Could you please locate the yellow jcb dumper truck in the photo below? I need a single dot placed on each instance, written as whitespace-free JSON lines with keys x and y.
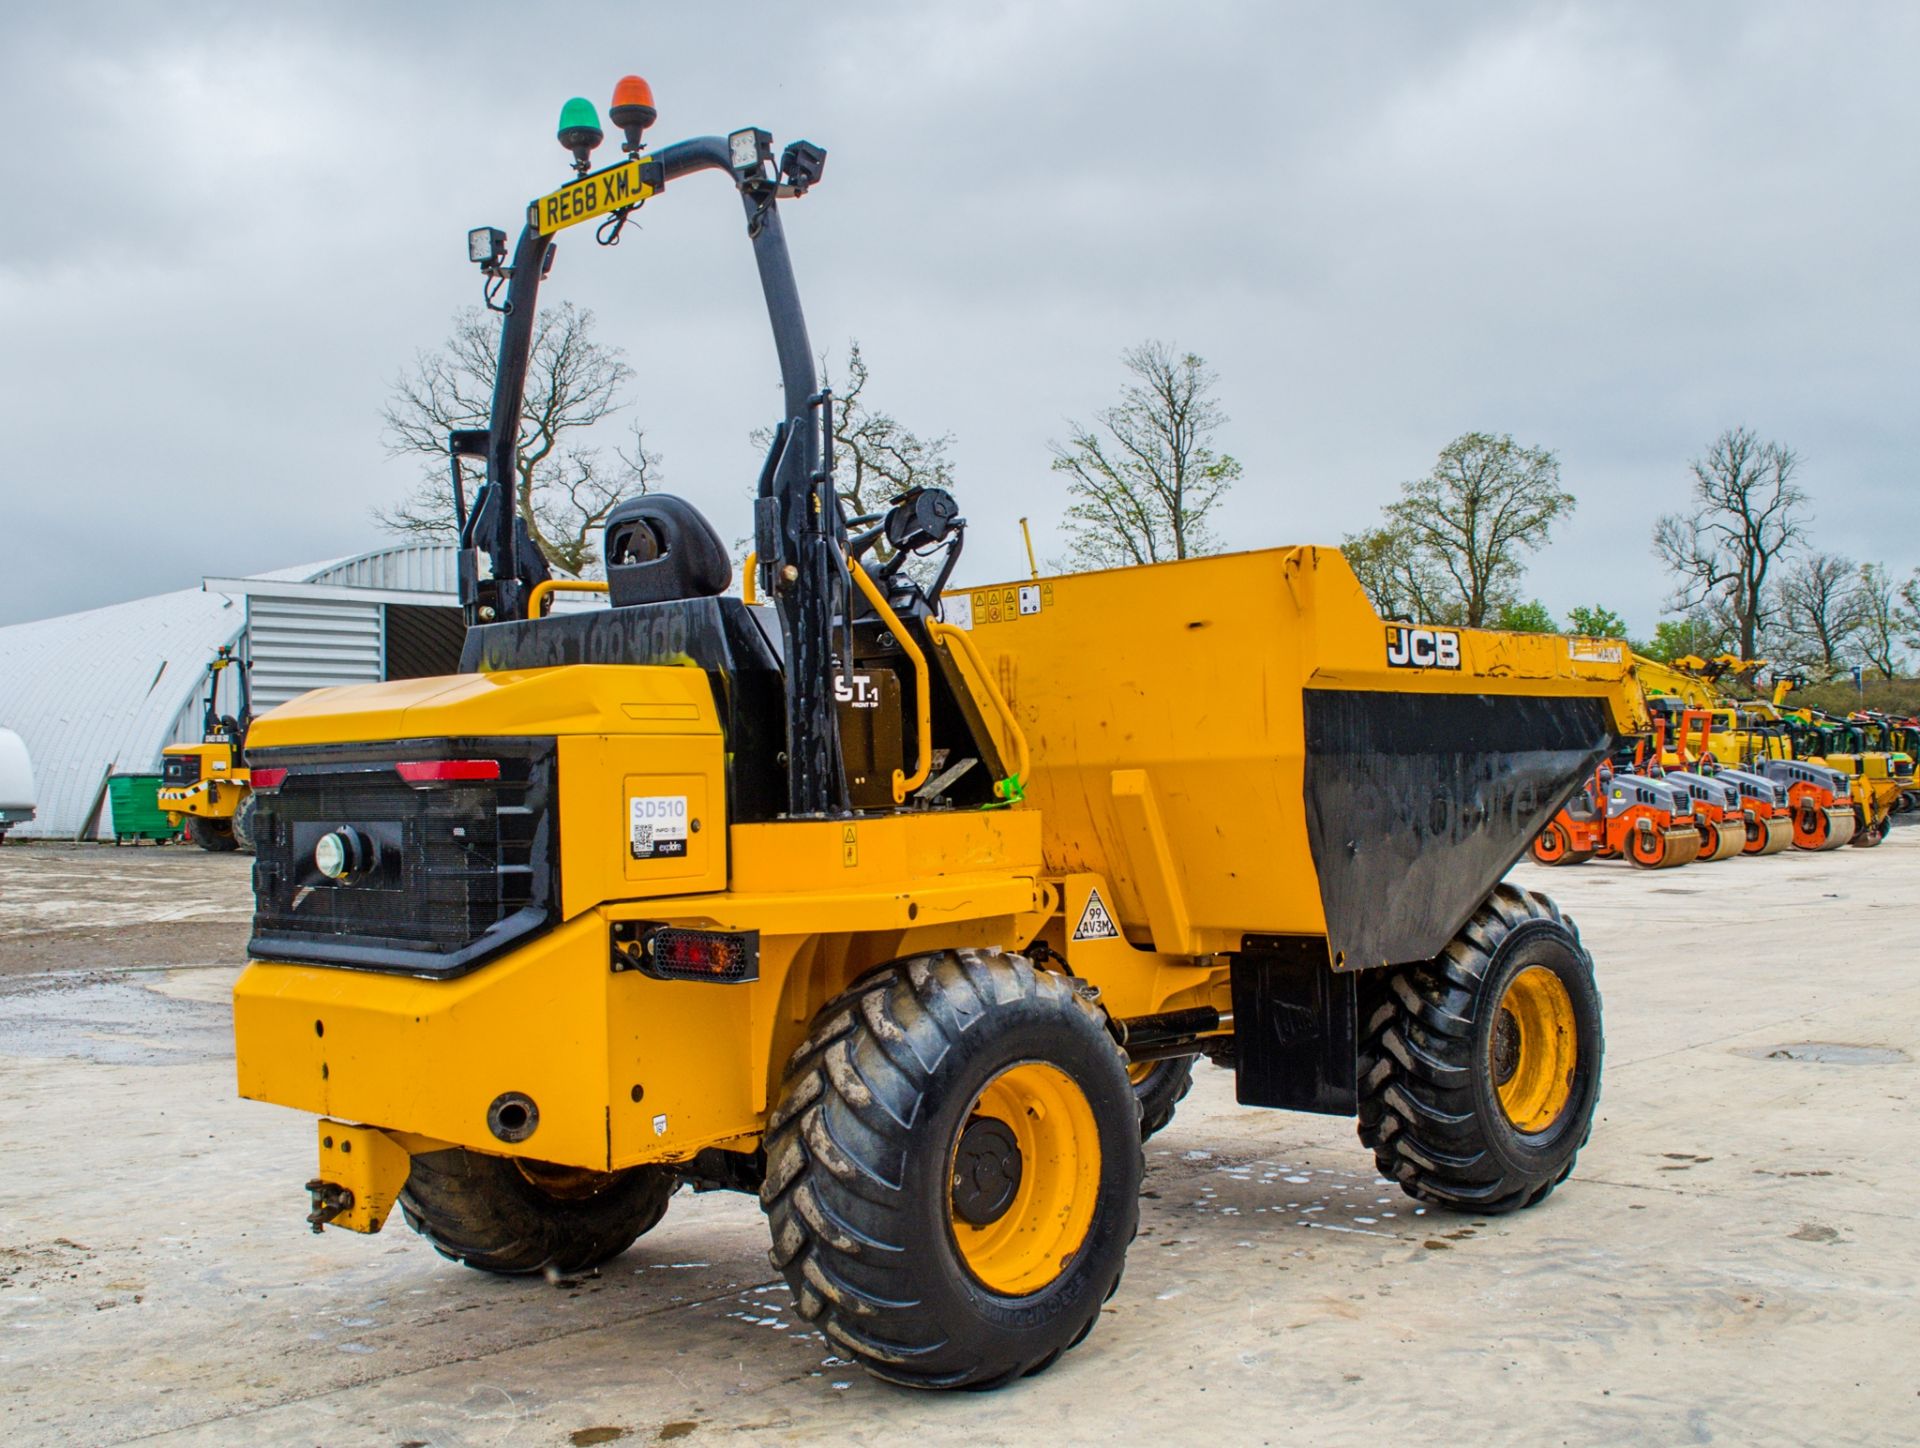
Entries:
{"x":205,"y":785}
{"x":866,"y":898}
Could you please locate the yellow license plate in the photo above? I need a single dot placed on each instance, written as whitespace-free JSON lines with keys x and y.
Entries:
{"x":627,"y":184}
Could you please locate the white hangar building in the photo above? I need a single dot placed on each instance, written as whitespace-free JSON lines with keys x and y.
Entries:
{"x":99,"y":693}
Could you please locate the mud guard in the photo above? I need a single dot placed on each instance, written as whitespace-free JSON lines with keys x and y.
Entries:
{"x":1417,"y":805}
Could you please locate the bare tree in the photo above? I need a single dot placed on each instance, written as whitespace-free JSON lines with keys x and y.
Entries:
{"x":1820,"y":614}
{"x":1143,"y":481}
{"x":1486,"y":504}
{"x":564,"y":488}
{"x":876,"y":457}
{"x":1747,"y":512}
{"x":1396,"y":575}
{"x":1882,"y":617}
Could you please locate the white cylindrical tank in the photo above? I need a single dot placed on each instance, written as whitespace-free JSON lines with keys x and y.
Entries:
{"x":16,"y":782}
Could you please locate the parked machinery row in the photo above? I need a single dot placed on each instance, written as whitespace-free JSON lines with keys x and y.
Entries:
{"x":1718,"y":777}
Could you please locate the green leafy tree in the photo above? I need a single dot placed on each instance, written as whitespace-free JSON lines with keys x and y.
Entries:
{"x":1395,"y":574}
{"x":1529,"y":617}
{"x":1597,"y":622}
{"x":1145,"y":477}
{"x":1469,"y":524}
{"x":1675,"y":638}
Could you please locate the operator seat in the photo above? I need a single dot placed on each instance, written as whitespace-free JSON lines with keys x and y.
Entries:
{"x":660,"y":549}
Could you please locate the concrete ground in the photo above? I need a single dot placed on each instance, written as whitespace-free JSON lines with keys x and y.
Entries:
{"x":1735,"y":1258}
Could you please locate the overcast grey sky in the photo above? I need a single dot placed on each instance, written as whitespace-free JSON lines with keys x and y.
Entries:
{"x":1609,"y":229}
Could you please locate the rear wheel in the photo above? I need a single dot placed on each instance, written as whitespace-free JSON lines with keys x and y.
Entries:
{"x":953,"y":1171}
{"x":1870,"y":835}
{"x":1160,"y":1087}
{"x":503,"y":1214}
{"x":1481,"y":1071}
{"x":243,"y":823}
{"x":1553,"y":845}
{"x":214,"y":836}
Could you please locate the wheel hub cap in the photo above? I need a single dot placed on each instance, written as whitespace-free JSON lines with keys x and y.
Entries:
{"x":1533,"y":1050}
{"x":986,"y":1171}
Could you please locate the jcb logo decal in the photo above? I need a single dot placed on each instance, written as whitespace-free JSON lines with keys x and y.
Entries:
{"x":1422,"y":648}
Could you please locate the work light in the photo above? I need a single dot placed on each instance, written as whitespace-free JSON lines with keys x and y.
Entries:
{"x":486,"y":246}
{"x":749,"y":151}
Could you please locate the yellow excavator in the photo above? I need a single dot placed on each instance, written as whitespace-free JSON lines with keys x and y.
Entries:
{"x":867,"y":894}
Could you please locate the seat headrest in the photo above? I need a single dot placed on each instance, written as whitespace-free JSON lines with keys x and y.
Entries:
{"x":659,"y":548}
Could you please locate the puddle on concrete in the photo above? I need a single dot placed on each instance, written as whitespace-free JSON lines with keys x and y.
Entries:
{"x":1831,"y":1053}
{"x":116,"y":1022}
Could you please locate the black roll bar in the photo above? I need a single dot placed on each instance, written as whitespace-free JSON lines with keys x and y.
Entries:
{"x":800,"y":533}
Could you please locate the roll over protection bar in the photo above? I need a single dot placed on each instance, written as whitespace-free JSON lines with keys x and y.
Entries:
{"x":800,"y":532}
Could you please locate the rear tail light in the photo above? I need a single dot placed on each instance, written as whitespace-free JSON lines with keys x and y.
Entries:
{"x":267,"y":779}
{"x":447,"y":771}
{"x":722,"y":957}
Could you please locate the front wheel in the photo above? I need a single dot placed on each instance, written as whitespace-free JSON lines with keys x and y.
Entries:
{"x":1481,"y":1070}
{"x":213,"y":836}
{"x":503,"y":1214}
{"x":953,"y":1171}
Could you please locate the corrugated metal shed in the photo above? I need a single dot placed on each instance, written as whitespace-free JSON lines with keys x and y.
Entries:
{"x":102,"y":692}
{"x":99,"y":693}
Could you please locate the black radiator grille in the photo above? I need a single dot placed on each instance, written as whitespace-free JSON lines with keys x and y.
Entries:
{"x":460,"y":868}
{"x":177,"y":771}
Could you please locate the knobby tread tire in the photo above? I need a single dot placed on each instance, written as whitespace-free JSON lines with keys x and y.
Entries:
{"x":859,"y":1160}
{"x":213,"y":836}
{"x":1161,"y":1092}
{"x":1427,"y":1104}
{"x":483,"y":1212}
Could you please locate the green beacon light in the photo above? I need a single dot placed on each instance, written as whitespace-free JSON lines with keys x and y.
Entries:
{"x":580,"y":130}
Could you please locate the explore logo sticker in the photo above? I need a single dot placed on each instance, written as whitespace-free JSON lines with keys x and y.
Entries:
{"x":1096,"y":923}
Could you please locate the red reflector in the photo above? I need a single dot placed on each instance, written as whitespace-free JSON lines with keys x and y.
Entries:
{"x":446,"y":771}
{"x":267,"y":778}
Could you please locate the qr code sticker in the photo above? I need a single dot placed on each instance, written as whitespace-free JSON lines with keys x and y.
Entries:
{"x":643,"y":837}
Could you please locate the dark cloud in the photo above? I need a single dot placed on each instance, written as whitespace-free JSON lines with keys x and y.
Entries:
{"x":1610,"y":229}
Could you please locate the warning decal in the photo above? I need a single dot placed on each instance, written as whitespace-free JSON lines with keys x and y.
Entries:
{"x":658,"y":826}
{"x":1095,"y":922}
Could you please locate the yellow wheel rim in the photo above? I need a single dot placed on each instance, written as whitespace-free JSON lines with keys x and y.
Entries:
{"x":1140,"y":1070}
{"x":1534,"y":1049}
{"x":1028,"y":1241}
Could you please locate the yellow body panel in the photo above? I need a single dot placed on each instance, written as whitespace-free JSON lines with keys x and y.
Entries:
{"x":222,"y":785}
{"x":1163,"y":707}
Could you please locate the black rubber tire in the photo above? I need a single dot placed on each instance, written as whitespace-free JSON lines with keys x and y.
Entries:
{"x":1161,"y":1091}
{"x":243,"y":824}
{"x":1428,"y":1107}
{"x":1872,"y":835}
{"x":484,"y":1211}
{"x":860,"y":1150}
{"x":213,"y":836}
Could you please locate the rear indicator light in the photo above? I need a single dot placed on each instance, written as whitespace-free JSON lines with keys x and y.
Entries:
{"x":267,"y":779}
{"x":447,"y":771}
{"x":722,"y":957}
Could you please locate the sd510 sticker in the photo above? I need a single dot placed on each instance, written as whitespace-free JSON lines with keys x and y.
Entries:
{"x":658,"y":825}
